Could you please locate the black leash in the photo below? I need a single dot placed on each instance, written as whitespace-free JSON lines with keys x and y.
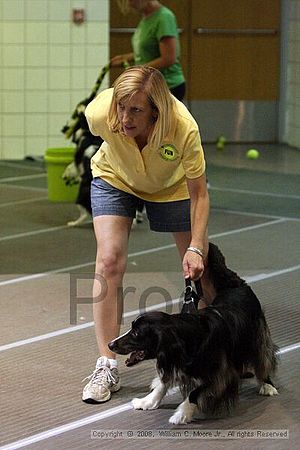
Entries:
{"x":191,"y":296}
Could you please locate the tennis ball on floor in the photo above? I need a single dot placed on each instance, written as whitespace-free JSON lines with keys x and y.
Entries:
{"x":221,"y":141}
{"x":252,"y":153}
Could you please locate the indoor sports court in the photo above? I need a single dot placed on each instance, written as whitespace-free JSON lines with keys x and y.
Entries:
{"x":46,"y":276}
{"x":241,"y":64}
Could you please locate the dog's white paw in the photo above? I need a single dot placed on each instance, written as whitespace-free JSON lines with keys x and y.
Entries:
{"x":268,"y":389}
{"x":144,"y":403}
{"x":179,"y":418}
{"x":183,"y":414}
{"x":152,"y":400}
{"x":137,"y":403}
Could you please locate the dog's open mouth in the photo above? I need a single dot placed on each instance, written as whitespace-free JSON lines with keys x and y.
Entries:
{"x":135,"y":357}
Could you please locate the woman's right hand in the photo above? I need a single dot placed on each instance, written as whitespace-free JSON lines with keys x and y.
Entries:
{"x":119,"y":60}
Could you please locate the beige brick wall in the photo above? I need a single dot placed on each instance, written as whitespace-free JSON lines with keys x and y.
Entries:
{"x":47,"y":65}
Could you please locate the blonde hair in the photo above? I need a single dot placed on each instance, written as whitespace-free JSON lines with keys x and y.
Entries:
{"x":152,"y":83}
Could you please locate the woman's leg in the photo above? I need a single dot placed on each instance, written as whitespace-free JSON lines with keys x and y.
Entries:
{"x":112,"y":233}
{"x":112,"y":242}
{"x":182,"y":240}
{"x":113,"y":212}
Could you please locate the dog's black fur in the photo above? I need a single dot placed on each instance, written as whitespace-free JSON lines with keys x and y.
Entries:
{"x":205,"y":353}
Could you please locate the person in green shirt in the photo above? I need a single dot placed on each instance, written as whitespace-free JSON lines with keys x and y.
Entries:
{"x":155,"y":43}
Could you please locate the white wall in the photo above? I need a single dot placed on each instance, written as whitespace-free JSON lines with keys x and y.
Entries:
{"x":47,"y":65}
{"x":291,"y":133}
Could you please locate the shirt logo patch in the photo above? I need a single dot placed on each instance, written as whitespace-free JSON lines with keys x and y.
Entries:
{"x":168,"y":152}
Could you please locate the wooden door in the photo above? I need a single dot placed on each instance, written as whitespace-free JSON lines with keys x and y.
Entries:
{"x":235,"y":51}
{"x":234,"y":70}
{"x":231,"y":60}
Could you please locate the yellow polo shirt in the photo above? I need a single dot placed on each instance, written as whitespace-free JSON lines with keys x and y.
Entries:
{"x":153,"y":174}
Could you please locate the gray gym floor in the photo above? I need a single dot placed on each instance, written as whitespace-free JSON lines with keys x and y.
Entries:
{"x":46,"y":274}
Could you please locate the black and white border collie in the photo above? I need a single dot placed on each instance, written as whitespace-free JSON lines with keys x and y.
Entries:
{"x":204,"y":353}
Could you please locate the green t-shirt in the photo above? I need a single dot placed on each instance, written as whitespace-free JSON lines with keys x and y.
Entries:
{"x":145,"y":43}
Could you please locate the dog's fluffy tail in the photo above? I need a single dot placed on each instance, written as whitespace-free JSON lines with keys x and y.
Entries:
{"x":222,"y":277}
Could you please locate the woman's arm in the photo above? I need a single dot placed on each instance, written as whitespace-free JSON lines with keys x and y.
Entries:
{"x":119,"y":60}
{"x":193,"y":263}
{"x":167,"y":48}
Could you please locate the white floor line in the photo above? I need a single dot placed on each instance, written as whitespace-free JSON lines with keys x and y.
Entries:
{"x":23,"y":177}
{"x":61,"y":227}
{"x":265,"y":276}
{"x":82,"y":326}
{"x":77,"y":266}
{"x":32,"y":233}
{"x":142,"y":252}
{"x":254,"y":193}
{"x":252,"y":214}
{"x":67,"y":427}
{"x":21,"y":166}
{"x":134,"y":313}
{"x":289,"y":348}
{"x":24,"y":188}
{"x":22,"y":202}
{"x":249,"y":228}
{"x":93,"y":418}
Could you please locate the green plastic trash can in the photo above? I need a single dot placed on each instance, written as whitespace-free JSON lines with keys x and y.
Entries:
{"x":57,"y":159}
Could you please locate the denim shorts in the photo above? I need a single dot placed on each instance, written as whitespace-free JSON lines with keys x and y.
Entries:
{"x":163,"y":216}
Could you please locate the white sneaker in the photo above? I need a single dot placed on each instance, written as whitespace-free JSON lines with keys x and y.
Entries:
{"x":103,"y":381}
{"x":139,"y":218}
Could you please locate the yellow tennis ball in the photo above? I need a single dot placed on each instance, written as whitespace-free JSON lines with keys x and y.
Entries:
{"x":221,"y":141}
{"x":252,"y":153}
